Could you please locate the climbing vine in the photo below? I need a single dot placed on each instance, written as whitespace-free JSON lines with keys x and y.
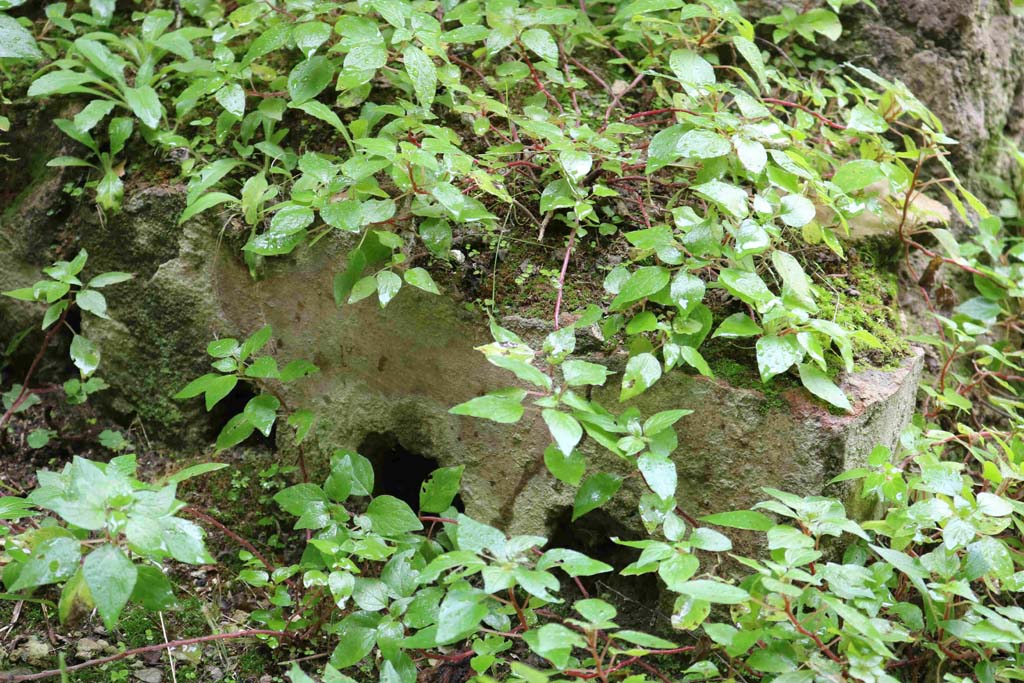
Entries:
{"x":723,"y":159}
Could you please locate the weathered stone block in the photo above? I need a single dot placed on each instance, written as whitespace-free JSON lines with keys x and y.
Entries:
{"x":389,"y":376}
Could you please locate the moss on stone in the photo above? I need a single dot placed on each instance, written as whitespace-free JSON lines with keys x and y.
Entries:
{"x":866,"y":301}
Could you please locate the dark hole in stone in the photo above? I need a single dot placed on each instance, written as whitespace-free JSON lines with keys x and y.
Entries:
{"x":398,"y":471}
{"x":637,"y":598}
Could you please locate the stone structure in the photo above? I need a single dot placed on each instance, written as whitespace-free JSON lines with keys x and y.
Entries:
{"x":388,"y":378}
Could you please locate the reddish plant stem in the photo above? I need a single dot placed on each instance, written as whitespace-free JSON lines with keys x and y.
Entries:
{"x":590,"y":72}
{"x":615,"y":101}
{"x":561,"y":276}
{"x":519,"y":610}
{"x":32,"y":368}
{"x":796,"y":105}
{"x":523,"y":162}
{"x":643,"y":209}
{"x":10,"y":678}
{"x":945,"y":368}
{"x":651,"y":669}
{"x":825,"y":649}
{"x":230,"y":534}
{"x":265,"y":95}
{"x":429,"y":518}
{"x":626,"y":662}
{"x":928,"y":252}
{"x":536,"y":79}
{"x":909,"y":197}
{"x":655,"y":112}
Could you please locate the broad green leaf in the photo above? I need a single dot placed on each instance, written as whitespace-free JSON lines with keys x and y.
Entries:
{"x":422,"y":73}
{"x":677,"y":570}
{"x":659,"y":473}
{"x":217,"y":388}
{"x":297,"y":369}
{"x":16,"y":42}
{"x":695,"y":360}
{"x":580,"y":373}
{"x":741,"y":519}
{"x":420,"y":278}
{"x":392,"y":517}
{"x":751,"y":154}
{"x":702,"y":144}
{"x":714,"y":592}
{"x":310,"y":35}
{"x":737,"y":325}
{"x":197,"y":386}
{"x":663,"y":420}
{"x":460,"y":614}
{"x":438,"y":492}
{"x":261,"y":412}
{"x":745,"y":286}
{"x":60,"y":82}
{"x":729,"y":197}
{"x":195,"y":471}
{"x":567,"y":468}
{"x":93,"y":302}
{"x":92,"y":114}
{"x":572,"y":562}
{"x":797,"y":210}
{"x":642,"y":371}
{"x":255,"y":342}
{"x":819,"y":384}
{"x":309,"y":78}
{"x":856,"y":175}
{"x":111,"y":579}
{"x":74,"y":592}
{"x":205,"y":202}
{"x":575,"y":164}
{"x":504,"y":407}
{"x":595,"y":491}
{"x":319,"y":110}
{"x":564,"y":428}
{"x":298,"y":499}
{"x":272,"y":39}
{"x":388,"y":284}
{"x":145,"y":104}
{"x":692,"y":70}
{"x":357,"y":635}
{"x":51,"y":561}
{"x":152,"y":589}
{"x":237,"y":430}
{"x":107,"y":279}
{"x":184,"y":541}
{"x":232,"y":98}
{"x":554,"y":642}
{"x":642,"y":283}
{"x":541,"y":43}
{"x":775,"y":355}
{"x":866,"y":120}
{"x":752,"y":54}
{"x":222,"y":348}
{"x":84,"y":355}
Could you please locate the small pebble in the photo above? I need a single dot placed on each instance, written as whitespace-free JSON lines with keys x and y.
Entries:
{"x":149,"y":675}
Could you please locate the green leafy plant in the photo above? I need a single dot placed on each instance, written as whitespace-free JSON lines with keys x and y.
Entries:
{"x":239,"y":362}
{"x":116,"y":532}
{"x":62,"y":292}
